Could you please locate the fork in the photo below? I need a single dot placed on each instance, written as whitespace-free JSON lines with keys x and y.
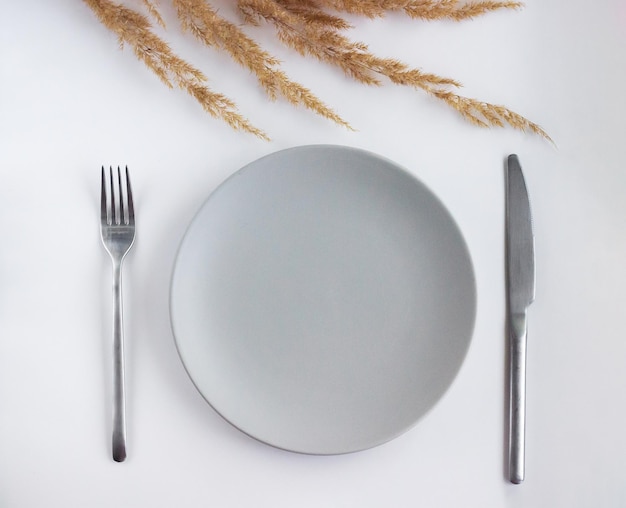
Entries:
{"x":117,"y":228}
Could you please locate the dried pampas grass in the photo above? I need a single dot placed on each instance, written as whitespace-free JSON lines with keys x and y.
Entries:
{"x":313,"y":28}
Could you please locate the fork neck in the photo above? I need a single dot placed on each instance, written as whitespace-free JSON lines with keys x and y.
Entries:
{"x":116,"y":264}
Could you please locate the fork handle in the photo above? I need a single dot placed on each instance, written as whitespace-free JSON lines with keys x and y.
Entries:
{"x":119,"y":396}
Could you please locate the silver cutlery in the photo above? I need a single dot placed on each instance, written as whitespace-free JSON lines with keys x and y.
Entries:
{"x":520,"y":257}
{"x":117,"y":227}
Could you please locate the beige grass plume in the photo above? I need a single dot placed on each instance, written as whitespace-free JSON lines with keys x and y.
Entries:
{"x":297,"y":26}
{"x":424,"y":9}
{"x":134,"y":29}
{"x":301,"y":29}
{"x":313,"y":28}
{"x":205,"y":24}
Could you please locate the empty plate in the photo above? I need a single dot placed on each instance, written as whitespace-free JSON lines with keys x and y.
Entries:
{"x":322,"y":300}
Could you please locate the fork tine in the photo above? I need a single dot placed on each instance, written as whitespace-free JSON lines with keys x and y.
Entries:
{"x":129,"y":194}
{"x":112,"y":197}
{"x":121,"y":196}
{"x":103,"y":200}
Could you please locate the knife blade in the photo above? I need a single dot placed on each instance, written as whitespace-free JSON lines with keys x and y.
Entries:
{"x":520,"y":268}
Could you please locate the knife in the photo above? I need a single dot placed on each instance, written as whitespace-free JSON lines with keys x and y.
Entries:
{"x":520,"y":269}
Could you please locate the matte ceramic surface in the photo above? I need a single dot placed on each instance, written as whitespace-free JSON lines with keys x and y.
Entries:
{"x":323,"y":300}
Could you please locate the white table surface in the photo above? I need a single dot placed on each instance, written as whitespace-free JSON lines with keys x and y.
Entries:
{"x":71,"y":101}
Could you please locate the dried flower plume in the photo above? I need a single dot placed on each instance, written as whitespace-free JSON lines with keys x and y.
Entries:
{"x":203,"y":22}
{"x":313,"y":28}
{"x":134,"y":29}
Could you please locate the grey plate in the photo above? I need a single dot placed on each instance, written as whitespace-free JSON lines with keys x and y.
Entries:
{"x":323,"y":300}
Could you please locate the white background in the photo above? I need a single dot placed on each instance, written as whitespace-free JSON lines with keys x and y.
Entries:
{"x":71,"y":101}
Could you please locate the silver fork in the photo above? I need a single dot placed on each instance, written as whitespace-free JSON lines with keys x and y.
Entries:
{"x":117,"y":227}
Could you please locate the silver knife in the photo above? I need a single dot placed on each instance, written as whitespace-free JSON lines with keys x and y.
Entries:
{"x":520,"y":267}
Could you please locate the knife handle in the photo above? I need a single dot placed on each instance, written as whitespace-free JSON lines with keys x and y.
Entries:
{"x":517,"y":398}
